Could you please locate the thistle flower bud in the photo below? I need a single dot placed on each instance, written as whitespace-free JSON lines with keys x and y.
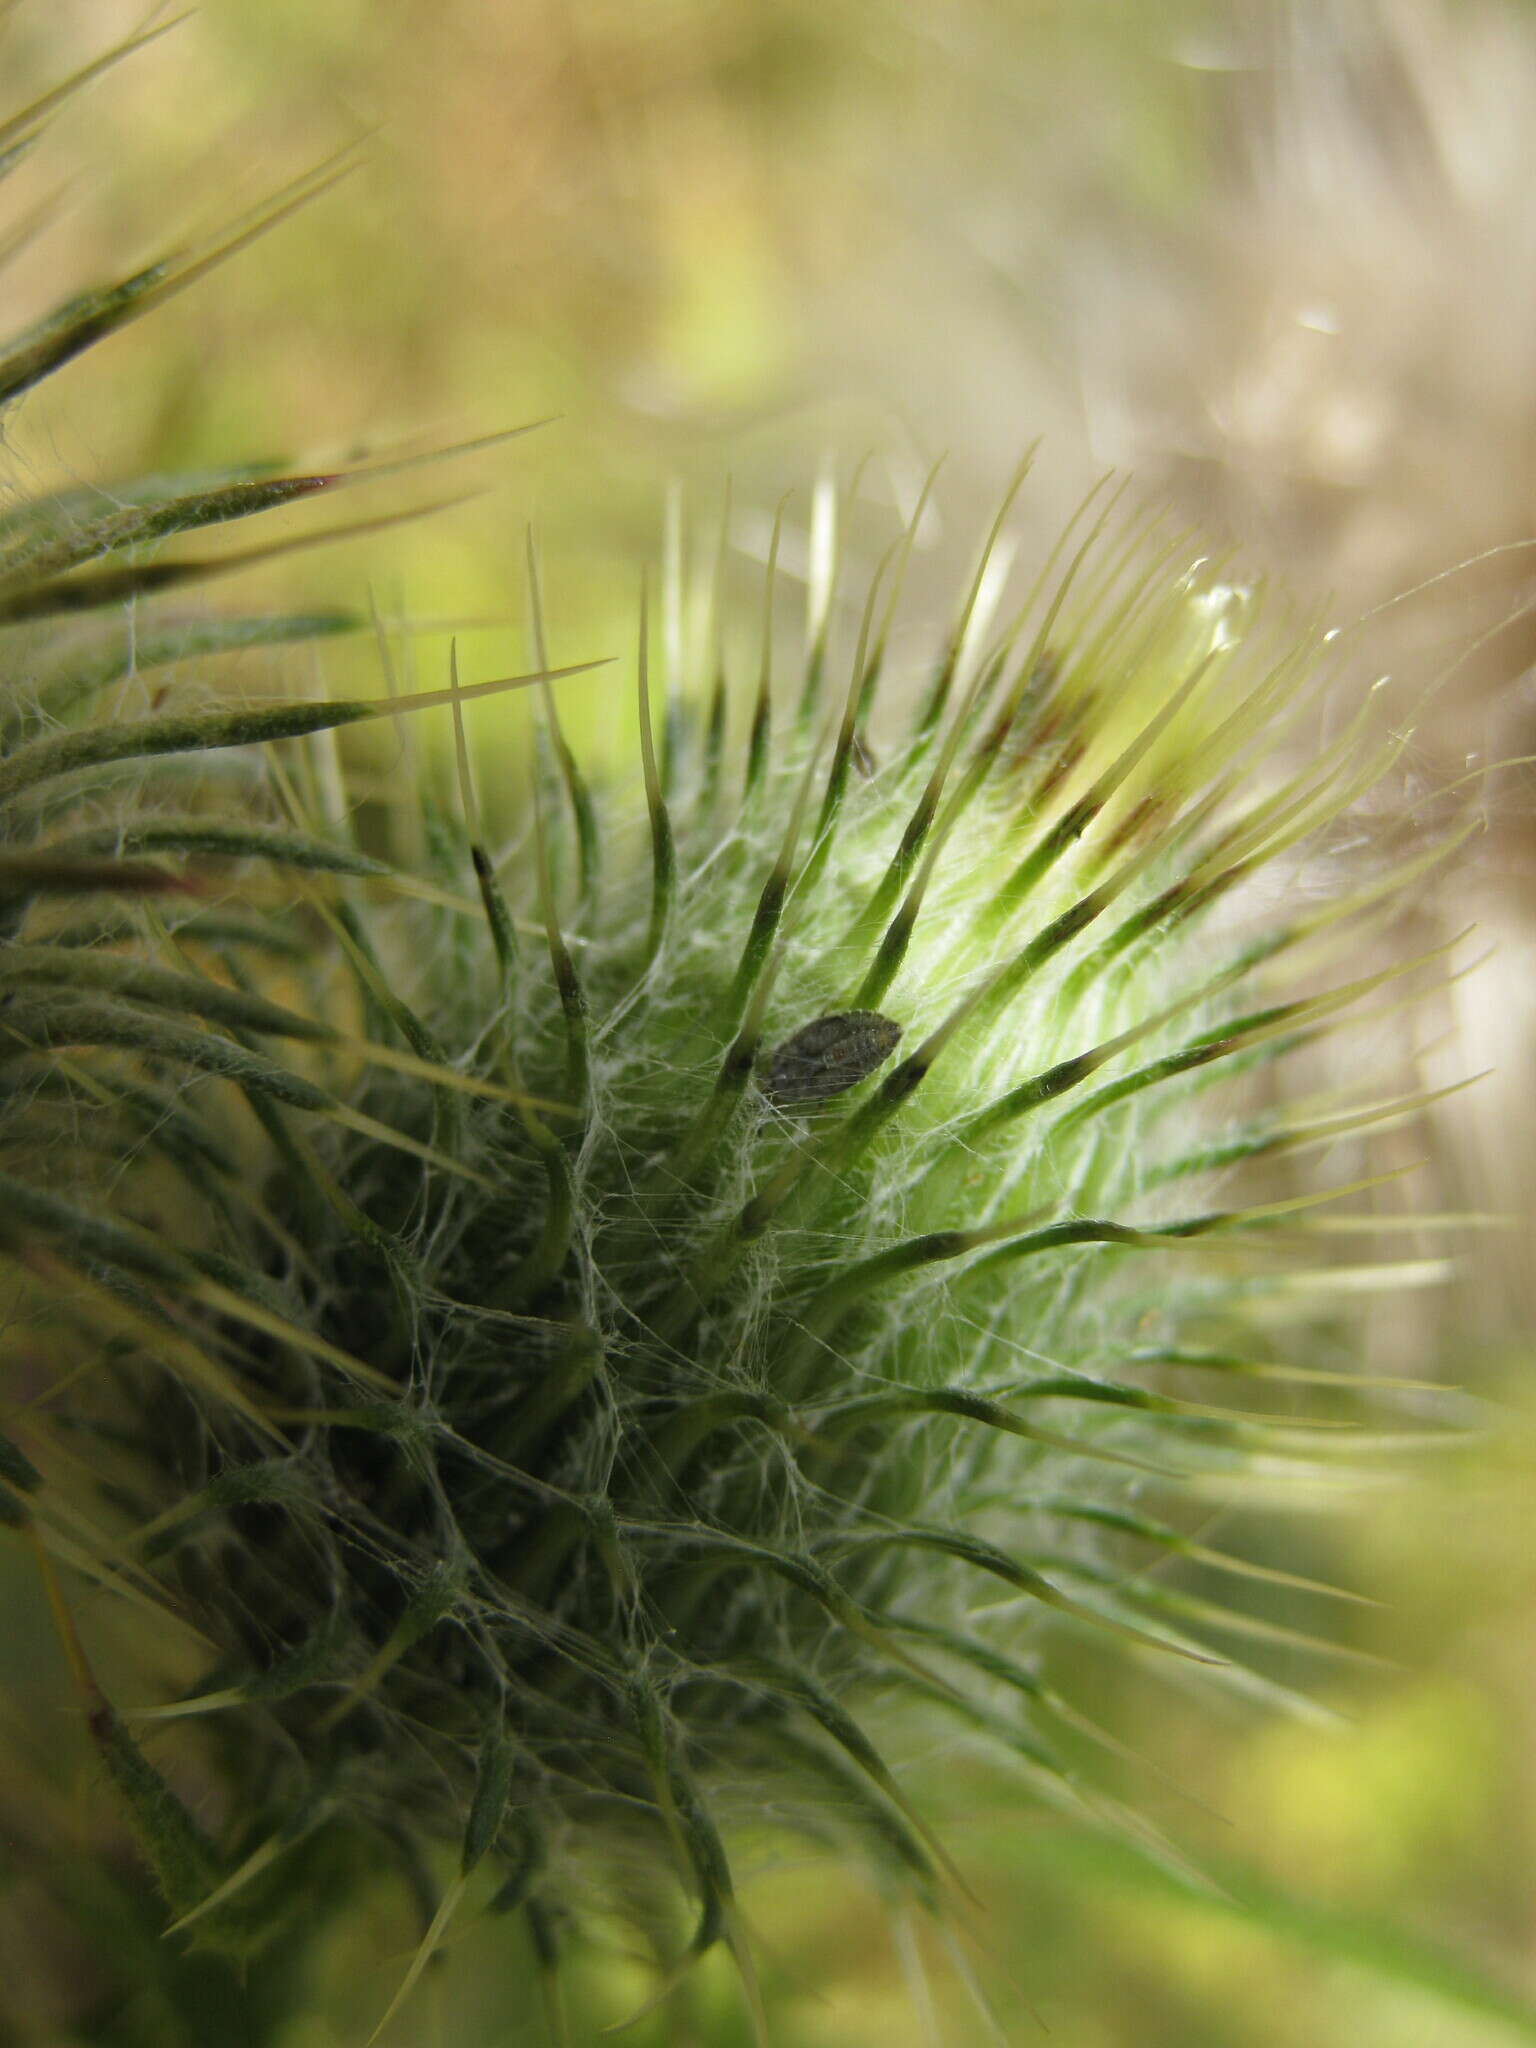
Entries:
{"x":568,"y":1333}
{"x":603,"y":1324}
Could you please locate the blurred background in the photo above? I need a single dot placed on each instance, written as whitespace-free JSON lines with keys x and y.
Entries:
{"x":1277,"y":259}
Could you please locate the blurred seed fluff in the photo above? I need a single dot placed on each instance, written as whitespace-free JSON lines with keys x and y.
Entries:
{"x":1331,"y":353}
{"x":1303,"y":364}
{"x":565,"y":1410}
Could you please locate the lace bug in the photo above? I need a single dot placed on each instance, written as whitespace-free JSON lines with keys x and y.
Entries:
{"x":828,"y":1056}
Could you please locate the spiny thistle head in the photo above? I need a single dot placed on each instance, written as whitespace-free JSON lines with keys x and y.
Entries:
{"x":588,"y":1325}
{"x":566,"y":1330}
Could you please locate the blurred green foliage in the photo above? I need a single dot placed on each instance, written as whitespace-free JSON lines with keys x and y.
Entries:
{"x":709,"y":236}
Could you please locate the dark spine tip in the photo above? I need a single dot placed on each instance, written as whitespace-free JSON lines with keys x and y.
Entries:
{"x":739,"y":1062}
{"x":907,"y":1078}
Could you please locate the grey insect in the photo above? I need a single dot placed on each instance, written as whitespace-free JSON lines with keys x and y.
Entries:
{"x":828,"y":1056}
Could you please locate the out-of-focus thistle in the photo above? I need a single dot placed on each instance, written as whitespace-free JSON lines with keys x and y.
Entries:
{"x":583,"y":1329}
